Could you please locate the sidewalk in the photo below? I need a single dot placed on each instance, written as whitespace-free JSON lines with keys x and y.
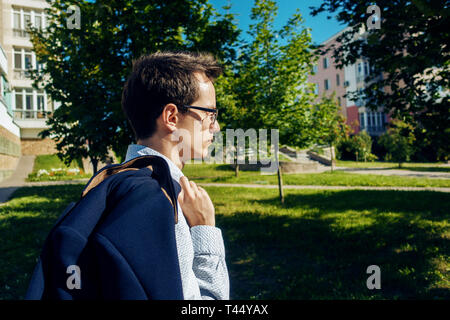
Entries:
{"x":324,"y":187}
{"x":397,"y":172}
{"x":17,"y":179}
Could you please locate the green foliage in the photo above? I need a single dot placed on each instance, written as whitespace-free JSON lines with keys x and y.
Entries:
{"x":268,"y":86}
{"x":398,"y":141}
{"x":85,"y":69}
{"x":330,"y":125}
{"x":411,"y":49}
{"x":357,"y":147}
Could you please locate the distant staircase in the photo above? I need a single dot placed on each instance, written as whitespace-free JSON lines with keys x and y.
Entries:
{"x":303,"y":160}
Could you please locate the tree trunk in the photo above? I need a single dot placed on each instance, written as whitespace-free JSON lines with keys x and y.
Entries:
{"x":332,"y":157}
{"x":280,"y":178}
{"x":94,"y":162}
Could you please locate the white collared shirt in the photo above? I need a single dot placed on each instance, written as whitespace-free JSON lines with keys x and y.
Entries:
{"x":201,"y":252}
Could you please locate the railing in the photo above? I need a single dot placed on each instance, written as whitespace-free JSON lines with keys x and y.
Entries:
{"x":374,"y":129}
{"x":30,"y":114}
{"x":20,"y":33}
{"x":20,"y":74}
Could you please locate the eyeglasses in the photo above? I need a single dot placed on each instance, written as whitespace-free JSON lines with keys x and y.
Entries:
{"x":215,"y":112}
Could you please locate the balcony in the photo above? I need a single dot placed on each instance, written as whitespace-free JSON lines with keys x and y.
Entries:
{"x":20,"y":33}
{"x":374,"y":130}
{"x":31,"y":122}
{"x":31,"y":114}
{"x":20,"y":74}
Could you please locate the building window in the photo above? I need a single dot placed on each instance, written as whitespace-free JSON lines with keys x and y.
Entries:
{"x":361,"y":120}
{"x":366,"y":68}
{"x":359,"y":73}
{"x":325,"y":63}
{"x":40,"y":100}
{"x":338,"y":80}
{"x":360,"y":68}
{"x":316,"y":88}
{"x":22,"y":19}
{"x":16,"y":20}
{"x":339,"y":101}
{"x":17,"y":59}
{"x":29,"y":103}
{"x":27,"y":19}
{"x":29,"y":99}
{"x":19,"y":100}
{"x":38,"y":20}
{"x":314,"y":69}
{"x":326,"y":84}
{"x":24,"y":59}
{"x":28,"y":59}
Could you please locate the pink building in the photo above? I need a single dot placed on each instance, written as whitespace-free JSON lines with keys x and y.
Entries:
{"x":329,"y":79}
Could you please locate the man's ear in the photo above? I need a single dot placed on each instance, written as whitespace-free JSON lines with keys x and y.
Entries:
{"x":170,"y":117}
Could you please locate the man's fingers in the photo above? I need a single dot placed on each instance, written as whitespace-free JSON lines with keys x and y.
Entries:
{"x":186,"y":186}
{"x":194,"y":187}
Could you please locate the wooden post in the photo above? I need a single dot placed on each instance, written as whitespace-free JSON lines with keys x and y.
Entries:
{"x":280,"y":178}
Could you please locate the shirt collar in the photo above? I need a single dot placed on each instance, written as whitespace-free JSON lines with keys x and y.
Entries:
{"x":137,"y":150}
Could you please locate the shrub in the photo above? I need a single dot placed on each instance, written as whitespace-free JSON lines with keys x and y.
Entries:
{"x":357,"y":147}
{"x":398,"y":141}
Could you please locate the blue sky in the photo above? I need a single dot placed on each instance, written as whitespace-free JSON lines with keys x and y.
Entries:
{"x":322,"y":28}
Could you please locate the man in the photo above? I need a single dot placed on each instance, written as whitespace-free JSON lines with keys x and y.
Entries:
{"x":169,"y":100}
{"x":128,"y":237}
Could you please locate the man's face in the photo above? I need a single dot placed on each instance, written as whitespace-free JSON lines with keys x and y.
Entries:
{"x":196,"y":126}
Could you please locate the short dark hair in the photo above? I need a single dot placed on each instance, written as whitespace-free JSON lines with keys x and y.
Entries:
{"x":161,"y":78}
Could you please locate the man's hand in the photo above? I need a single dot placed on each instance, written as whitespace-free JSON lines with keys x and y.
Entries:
{"x":196,"y":205}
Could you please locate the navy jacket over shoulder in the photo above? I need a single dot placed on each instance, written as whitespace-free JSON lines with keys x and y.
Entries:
{"x":120,"y":235}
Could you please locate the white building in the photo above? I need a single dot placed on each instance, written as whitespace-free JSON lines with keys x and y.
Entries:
{"x":29,"y":107}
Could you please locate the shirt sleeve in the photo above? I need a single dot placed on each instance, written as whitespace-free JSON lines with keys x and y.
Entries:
{"x":209,"y":264}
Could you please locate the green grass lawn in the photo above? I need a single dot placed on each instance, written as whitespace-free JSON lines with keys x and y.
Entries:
{"x":225,"y":174}
{"x":51,"y":161}
{"x":317,"y":245}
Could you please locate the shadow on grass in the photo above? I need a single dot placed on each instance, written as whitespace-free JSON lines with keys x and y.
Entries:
{"x":24,"y":225}
{"x":429,"y":169}
{"x":418,"y":169}
{"x":320,"y":249}
{"x":324,"y":254}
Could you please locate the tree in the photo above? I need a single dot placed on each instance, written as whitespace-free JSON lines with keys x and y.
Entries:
{"x":362,"y":144}
{"x":85,"y":69}
{"x":398,"y":141}
{"x":411,"y":52}
{"x":269,"y":86}
{"x":330,"y":124}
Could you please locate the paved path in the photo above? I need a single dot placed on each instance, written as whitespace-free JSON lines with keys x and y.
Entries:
{"x":17,"y":179}
{"x":324,"y":187}
{"x":25,"y":167}
{"x":397,"y":172}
